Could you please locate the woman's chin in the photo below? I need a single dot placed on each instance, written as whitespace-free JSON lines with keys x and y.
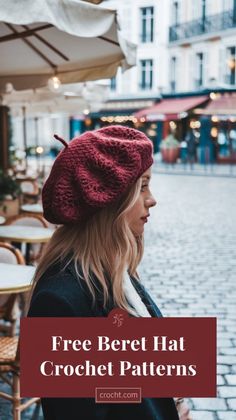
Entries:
{"x":138,"y":231}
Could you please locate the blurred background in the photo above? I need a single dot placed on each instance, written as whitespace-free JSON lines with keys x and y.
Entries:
{"x":180,"y":89}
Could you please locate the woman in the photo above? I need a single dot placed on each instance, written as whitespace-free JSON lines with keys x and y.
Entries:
{"x":98,"y":191}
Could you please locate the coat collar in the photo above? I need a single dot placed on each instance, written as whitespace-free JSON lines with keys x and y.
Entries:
{"x":98,"y":304}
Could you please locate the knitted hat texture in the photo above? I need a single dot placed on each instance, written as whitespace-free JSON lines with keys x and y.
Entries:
{"x":93,"y":171}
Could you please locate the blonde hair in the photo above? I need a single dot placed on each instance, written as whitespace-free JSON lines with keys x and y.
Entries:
{"x":105,"y":247}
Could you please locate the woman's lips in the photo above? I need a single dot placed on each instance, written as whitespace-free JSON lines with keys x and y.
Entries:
{"x":144,"y":219}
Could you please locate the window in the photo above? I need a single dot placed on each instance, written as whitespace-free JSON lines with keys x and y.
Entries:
{"x":203,"y":14}
{"x":175,"y":13}
{"x":227,"y":4}
{"x":199,"y":70}
{"x":113,"y":83}
{"x":195,"y":10}
{"x":147,"y":24}
{"x":146,"y":74}
{"x":173,"y":62}
{"x":202,"y":8}
{"x":230,"y":77}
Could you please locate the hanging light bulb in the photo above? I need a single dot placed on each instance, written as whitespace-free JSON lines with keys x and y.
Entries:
{"x":231,"y":63}
{"x":9,"y":88}
{"x":54,"y":83}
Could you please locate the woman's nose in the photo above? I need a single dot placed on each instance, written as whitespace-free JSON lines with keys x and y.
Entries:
{"x":150,"y":201}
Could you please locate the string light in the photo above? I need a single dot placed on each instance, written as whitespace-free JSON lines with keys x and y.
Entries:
{"x":231,"y":63}
{"x":39,"y":150}
{"x":54,"y":83}
{"x":213,"y":95}
{"x":9,"y":88}
{"x":195,"y":124}
{"x":119,"y":119}
{"x":172,"y":125}
{"x":214,"y":132}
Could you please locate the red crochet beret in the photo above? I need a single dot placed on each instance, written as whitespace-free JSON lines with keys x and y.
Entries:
{"x":93,"y":170}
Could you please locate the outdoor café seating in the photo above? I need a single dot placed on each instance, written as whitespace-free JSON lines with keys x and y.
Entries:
{"x":9,"y":303}
{"x":30,"y":191}
{"x":31,"y":209}
{"x":31,"y":220}
{"x":13,"y":286}
{"x":9,"y":373}
{"x":2,"y":220}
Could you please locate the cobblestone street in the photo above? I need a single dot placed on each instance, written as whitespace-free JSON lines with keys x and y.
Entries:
{"x":189,"y":267}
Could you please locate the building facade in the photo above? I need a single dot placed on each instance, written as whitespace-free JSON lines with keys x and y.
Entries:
{"x":202,"y":57}
{"x":145,"y":23}
{"x":183,"y":45}
{"x":185,"y":49}
{"x":202,"y":45}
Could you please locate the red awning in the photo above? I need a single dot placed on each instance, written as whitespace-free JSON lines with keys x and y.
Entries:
{"x":171,"y":109}
{"x":223,"y":105}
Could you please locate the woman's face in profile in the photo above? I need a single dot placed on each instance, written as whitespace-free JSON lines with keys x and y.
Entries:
{"x":138,"y":215}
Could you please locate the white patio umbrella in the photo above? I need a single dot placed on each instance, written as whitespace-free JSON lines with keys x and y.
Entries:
{"x":94,"y":1}
{"x":67,"y":105}
{"x":73,"y":40}
{"x":86,"y":95}
{"x":71,"y":100}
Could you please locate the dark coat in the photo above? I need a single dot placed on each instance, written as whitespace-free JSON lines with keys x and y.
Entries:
{"x":60,"y":294}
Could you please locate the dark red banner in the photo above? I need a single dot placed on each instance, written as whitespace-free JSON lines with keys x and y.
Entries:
{"x":80,"y":357}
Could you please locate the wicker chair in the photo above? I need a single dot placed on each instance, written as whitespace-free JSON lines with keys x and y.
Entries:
{"x":9,"y":305}
{"x":9,"y":373}
{"x":33,"y":220}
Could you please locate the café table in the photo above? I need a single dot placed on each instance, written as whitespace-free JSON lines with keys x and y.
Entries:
{"x":32,"y":208}
{"x":22,"y":177}
{"x":15,"y":278}
{"x":25,"y":234}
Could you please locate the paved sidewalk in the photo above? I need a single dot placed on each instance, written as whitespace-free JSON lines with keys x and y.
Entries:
{"x":190,"y":268}
{"x":196,"y":169}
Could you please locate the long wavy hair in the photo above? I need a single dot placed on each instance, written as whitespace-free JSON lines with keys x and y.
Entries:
{"x":105,"y":246}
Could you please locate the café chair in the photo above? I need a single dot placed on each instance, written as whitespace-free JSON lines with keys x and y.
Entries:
{"x":30,"y":191}
{"x":32,"y":220}
{"x":10,"y":374}
{"x":9,"y":304}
